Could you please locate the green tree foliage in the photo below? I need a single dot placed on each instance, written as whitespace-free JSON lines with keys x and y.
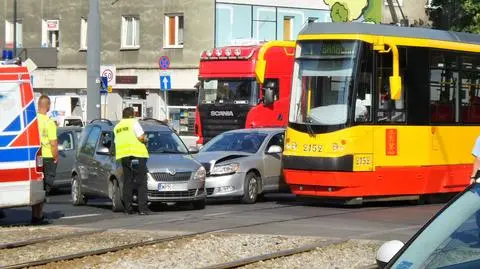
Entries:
{"x":339,"y":13}
{"x":456,"y":15}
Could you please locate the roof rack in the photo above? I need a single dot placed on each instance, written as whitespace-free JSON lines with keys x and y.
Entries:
{"x":155,"y":120}
{"x":104,"y":120}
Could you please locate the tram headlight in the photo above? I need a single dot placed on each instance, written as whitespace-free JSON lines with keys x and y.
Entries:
{"x":291,"y":146}
{"x":335,"y":147}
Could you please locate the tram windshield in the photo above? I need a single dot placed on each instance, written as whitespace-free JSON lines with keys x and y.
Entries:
{"x":323,"y":82}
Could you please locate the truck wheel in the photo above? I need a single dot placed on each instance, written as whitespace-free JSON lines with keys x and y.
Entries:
{"x":198,"y":205}
{"x":250,"y":189}
{"x":77,"y":196}
{"x":117,"y":205}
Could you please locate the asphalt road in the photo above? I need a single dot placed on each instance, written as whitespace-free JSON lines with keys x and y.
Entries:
{"x":278,"y":214}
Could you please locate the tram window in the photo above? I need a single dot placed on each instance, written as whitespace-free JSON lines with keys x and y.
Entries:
{"x":388,"y":110}
{"x":444,"y":80}
{"x":470,"y":89}
{"x":417,"y":81}
{"x":363,"y":102}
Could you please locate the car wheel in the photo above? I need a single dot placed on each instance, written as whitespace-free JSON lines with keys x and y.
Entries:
{"x":198,"y":205}
{"x":250,"y":189}
{"x":77,"y":196}
{"x":117,"y":205}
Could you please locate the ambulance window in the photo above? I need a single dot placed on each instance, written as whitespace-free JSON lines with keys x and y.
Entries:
{"x":10,"y":107}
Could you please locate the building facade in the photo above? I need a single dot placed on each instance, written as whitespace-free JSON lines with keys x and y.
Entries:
{"x":134,"y":35}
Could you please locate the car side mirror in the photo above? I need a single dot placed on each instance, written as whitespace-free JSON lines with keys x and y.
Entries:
{"x":61,"y":147}
{"x":193,"y":150}
{"x":387,"y":251}
{"x":274,"y":149}
{"x":269,"y":98}
{"x":103,"y":151}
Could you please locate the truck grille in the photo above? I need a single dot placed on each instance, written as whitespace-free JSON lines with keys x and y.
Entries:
{"x":215,"y":125}
{"x":180,"y":176}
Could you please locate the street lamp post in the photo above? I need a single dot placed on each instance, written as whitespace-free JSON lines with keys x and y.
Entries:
{"x":93,"y":61}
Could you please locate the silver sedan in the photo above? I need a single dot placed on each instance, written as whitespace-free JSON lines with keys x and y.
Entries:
{"x":243,"y":163}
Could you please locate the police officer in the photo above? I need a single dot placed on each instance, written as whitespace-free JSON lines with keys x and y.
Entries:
{"x":131,"y":151}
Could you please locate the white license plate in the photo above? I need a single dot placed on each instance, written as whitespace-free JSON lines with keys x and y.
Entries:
{"x":172,"y":187}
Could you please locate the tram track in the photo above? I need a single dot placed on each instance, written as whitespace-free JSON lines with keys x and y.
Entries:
{"x":164,"y":240}
{"x":27,"y":242}
{"x":274,"y":255}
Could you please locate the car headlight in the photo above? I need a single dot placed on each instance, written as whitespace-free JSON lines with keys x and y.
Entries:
{"x":200,"y":174}
{"x":225,"y":169}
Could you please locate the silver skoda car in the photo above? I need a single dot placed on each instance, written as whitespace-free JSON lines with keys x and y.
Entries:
{"x":244,"y":164}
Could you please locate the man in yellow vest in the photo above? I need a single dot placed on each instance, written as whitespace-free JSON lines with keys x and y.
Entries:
{"x":131,"y":151}
{"x":48,"y":139}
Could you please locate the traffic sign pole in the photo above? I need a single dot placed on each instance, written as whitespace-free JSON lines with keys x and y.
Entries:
{"x":165,"y":80}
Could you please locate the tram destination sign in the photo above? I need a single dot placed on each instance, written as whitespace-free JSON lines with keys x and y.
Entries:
{"x":329,"y":48}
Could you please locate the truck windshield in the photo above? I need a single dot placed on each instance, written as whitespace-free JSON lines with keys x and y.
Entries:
{"x":323,"y":82}
{"x":228,"y":91}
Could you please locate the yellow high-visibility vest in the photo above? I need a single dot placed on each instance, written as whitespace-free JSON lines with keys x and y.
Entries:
{"x":126,"y":142}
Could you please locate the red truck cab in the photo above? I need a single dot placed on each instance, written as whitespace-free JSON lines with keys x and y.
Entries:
{"x":244,"y":87}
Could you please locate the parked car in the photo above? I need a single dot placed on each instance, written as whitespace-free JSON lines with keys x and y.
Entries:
{"x":67,"y":138}
{"x":244,"y":163}
{"x":173,"y":174}
{"x":450,"y":240}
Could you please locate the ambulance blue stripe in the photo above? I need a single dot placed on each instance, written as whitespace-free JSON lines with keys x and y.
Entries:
{"x":14,"y":126}
{"x":18,"y":154}
{"x":29,"y":114}
{"x":5,"y":140}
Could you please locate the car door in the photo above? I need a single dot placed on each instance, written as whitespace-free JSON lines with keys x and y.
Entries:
{"x":66,"y":156}
{"x":103,"y":162}
{"x":272,"y":163}
{"x":86,"y":155}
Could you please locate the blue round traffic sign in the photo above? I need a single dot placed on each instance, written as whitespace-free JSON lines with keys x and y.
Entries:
{"x":164,"y":62}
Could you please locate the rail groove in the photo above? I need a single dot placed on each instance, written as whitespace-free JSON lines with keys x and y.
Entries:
{"x":270,"y":256}
{"x":27,"y":242}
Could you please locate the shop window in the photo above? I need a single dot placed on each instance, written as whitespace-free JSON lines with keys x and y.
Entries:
{"x":470,"y":89}
{"x":444,"y":81}
{"x":182,"y":98}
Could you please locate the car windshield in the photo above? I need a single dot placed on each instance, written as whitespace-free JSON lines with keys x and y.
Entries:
{"x":165,"y":142}
{"x":451,"y":240}
{"x":223,"y":91}
{"x":243,"y":142}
